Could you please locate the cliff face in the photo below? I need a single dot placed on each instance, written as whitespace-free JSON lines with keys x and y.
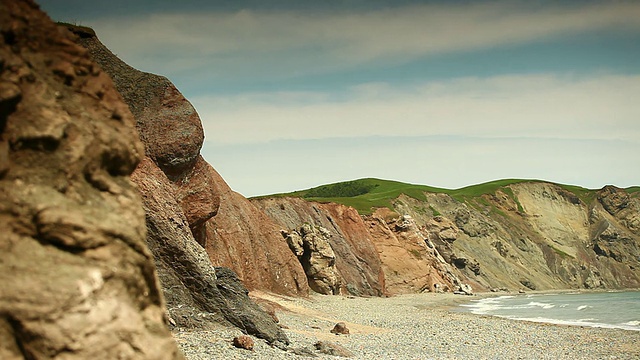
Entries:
{"x":528,"y":235}
{"x":525,"y":235}
{"x":245,"y":239}
{"x":179,"y":200}
{"x":77,"y":279}
{"x":540,"y":236}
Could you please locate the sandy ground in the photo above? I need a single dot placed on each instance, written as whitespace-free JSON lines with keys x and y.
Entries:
{"x":416,"y":326}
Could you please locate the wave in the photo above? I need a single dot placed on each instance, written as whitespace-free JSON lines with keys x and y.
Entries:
{"x":540,"y":305}
{"x":591,"y":309}
{"x":631,"y":325}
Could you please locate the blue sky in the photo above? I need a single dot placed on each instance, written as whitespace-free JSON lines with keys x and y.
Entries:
{"x":295,"y":94}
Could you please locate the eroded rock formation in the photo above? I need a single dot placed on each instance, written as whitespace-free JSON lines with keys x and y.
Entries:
{"x":77,"y":279}
{"x":357,"y":265}
{"x":311,"y":245}
{"x":178,"y":197}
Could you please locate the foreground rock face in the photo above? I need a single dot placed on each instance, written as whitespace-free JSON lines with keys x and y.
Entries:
{"x":77,"y":278}
{"x":178,"y":197}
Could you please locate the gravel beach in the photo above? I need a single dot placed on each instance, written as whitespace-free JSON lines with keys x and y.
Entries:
{"x":417,"y":326}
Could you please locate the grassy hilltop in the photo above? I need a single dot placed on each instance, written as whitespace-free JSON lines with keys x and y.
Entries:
{"x":370,"y":193}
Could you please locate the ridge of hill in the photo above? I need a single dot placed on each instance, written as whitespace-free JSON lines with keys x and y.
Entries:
{"x":366,"y":194}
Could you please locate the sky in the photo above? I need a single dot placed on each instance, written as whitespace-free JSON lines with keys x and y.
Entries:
{"x":296,"y":94}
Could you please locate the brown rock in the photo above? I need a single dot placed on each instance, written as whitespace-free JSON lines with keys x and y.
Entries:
{"x":174,"y":181}
{"x":411,"y":263}
{"x":77,"y":278}
{"x":168,"y":124}
{"x":243,"y":342}
{"x":340,"y":329}
{"x":245,"y":239}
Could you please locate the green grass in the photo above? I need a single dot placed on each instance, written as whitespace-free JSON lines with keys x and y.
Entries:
{"x":633,"y":190}
{"x":434,"y":211}
{"x":379,"y":193}
{"x":365,"y":195}
{"x":509,"y":192}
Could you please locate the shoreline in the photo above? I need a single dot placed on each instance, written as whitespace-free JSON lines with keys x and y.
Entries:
{"x":414,"y":326}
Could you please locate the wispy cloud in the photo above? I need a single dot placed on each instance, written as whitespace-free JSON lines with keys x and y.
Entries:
{"x":544,"y":106}
{"x":294,"y":42}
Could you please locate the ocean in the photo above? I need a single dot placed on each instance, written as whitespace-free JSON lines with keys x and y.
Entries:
{"x":619,"y":310}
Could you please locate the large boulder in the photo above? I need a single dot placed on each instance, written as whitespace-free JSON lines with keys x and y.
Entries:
{"x":77,"y":278}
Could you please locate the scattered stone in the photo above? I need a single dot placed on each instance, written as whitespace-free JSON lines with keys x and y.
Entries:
{"x":280,"y":345}
{"x":329,"y":348}
{"x":340,"y":329}
{"x":243,"y":342}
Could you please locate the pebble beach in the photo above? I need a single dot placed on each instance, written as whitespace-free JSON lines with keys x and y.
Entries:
{"x":416,"y":326}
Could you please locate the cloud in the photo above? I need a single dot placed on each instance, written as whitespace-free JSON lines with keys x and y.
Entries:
{"x":290,"y":43}
{"x":542,"y":106}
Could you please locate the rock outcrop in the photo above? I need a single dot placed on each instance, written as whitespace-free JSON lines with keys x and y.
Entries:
{"x":356,"y":269}
{"x":77,"y":278}
{"x":411,"y":261}
{"x":311,"y":246}
{"x":178,"y":197}
{"x":541,"y":236}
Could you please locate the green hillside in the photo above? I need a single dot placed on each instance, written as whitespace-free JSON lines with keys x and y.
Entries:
{"x":367,"y":194}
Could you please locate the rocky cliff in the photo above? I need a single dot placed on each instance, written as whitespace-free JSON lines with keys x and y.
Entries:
{"x":77,"y":279}
{"x":180,"y":199}
{"x":245,"y":239}
{"x":521,"y":235}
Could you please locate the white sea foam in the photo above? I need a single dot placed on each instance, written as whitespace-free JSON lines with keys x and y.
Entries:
{"x":541,"y":305}
{"x":605,"y":311}
{"x":488,"y":305}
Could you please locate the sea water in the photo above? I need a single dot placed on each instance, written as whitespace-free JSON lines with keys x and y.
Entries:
{"x":597,"y":309}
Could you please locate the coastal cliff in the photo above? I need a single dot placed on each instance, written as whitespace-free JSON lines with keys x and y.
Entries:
{"x":179,"y":200}
{"x":510,"y":235}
